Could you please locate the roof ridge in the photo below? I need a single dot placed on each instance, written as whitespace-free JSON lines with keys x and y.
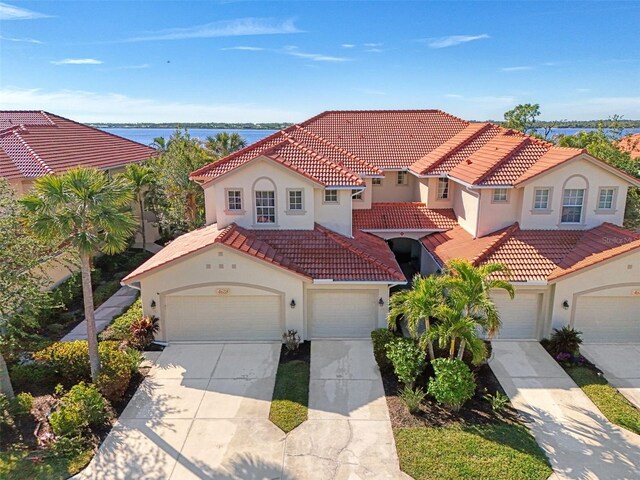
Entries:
{"x":31,"y":152}
{"x":516,"y":148}
{"x":617,"y":229}
{"x":493,"y":247}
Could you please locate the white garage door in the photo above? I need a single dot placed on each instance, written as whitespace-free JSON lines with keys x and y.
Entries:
{"x":352,"y":314}
{"x":608,"y":319}
{"x":519,"y":316}
{"x":192,"y":318}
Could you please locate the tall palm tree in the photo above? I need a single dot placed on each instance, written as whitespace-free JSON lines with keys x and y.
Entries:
{"x":224,"y":144}
{"x":470,"y":286}
{"x":454,"y":326}
{"x":418,"y":305}
{"x":161,"y":144}
{"x":140,"y":177}
{"x":87,"y":210}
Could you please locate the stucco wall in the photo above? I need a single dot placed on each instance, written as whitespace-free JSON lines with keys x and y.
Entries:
{"x":390,"y":192}
{"x":494,"y":216}
{"x":465,"y":205}
{"x":366,"y":197}
{"x":618,"y":277}
{"x":427,"y":192}
{"x":334,"y":216}
{"x":579,"y":173}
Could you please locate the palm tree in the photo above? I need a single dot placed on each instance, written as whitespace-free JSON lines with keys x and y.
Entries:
{"x":224,"y":144}
{"x":140,"y":177}
{"x":87,"y":210}
{"x":454,"y":325}
{"x":418,"y":305}
{"x":161,"y":144}
{"x":470,"y":286}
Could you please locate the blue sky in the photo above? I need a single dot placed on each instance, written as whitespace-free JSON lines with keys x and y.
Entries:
{"x":286,"y":61}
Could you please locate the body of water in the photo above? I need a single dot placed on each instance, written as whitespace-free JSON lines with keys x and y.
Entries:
{"x":146,"y":135}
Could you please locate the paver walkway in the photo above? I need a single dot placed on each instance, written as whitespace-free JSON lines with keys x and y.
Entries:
{"x":579,"y":441}
{"x":620,"y":364}
{"x":105,"y":313}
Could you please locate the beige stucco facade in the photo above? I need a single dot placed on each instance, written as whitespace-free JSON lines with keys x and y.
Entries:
{"x":390,"y":192}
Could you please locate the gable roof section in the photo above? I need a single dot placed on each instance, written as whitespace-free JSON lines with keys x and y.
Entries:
{"x":315,"y":254}
{"x":35,"y":143}
{"x":403,"y":216}
{"x":535,"y":255}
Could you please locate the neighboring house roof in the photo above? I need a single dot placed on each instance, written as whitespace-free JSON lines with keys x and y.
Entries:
{"x":535,"y":255}
{"x":403,"y":216}
{"x":316,"y":254}
{"x":631,"y":144}
{"x":35,"y":143}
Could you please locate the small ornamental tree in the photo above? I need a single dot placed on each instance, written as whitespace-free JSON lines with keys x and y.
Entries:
{"x":453,"y":384}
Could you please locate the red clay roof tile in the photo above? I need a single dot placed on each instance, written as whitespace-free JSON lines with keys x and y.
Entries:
{"x":403,"y":216}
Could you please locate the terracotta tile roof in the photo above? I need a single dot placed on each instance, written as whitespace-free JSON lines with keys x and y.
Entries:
{"x":403,"y":216}
{"x":34,"y":143}
{"x":631,"y":144}
{"x":315,"y":254}
{"x":535,"y":255}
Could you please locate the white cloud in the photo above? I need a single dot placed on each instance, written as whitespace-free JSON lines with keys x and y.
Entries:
{"x":316,"y":57}
{"x":77,"y":61}
{"x":347,"y":45}
{"x":225,"y":28}
{"x":374,"y":50}
{"x":244,"y":48}
{"x":519,"y":68}
{"x":372,"y":45}
{"x":453,"y":40}
{"x":10,"y":12}
{"x":21,"y":40}
{"x":113,"y":107}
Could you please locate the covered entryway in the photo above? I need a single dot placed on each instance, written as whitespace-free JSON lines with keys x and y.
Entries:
{"x":519,"y":316}
{"x":342,"y":314}
{"x":223,"y":316}
{"x":614,"y":319}
{"x":408,"y":253}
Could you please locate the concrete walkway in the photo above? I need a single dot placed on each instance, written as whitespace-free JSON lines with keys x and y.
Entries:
{"x":105,"y":313}
{"x":620,"y":364}
{"x":579,"y":441}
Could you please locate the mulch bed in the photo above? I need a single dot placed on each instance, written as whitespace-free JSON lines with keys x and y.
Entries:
{"x":303,"y":353}
{"x":476,"y":411}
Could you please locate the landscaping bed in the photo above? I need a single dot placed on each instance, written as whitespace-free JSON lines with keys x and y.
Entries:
{"x":289,"y":406}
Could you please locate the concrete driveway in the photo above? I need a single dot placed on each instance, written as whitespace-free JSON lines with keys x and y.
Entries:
{"x":620,"y":364}
{"x":579,"y":441}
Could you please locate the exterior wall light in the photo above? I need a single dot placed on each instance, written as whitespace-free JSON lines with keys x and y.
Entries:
{"x":381,"y":302}
{"x":565,"y":304}
{"x":153,"y":304}
{"x":293,"y":304}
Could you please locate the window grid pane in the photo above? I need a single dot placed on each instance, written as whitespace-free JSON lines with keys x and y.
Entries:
{"x":234,"y":200}
{"x":331,"y":196}
{"x":265,"y":207}
{"x":295,"y":200}
{"x":443,"y":188}
{"x":606,"y":198}
{"x":572,"y":200}
{"x":376,"y":181}
{"x":402,"y":178}
{"x":356,"y":194}
{"x":500,"y":195}
{"x":542,"y":199}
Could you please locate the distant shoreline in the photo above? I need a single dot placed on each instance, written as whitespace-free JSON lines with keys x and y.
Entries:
{"x":279,"y":126}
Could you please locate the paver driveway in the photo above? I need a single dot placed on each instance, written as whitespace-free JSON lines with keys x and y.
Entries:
{"x":620,"y":364}
{"x":203,"y":413}
{"x":579,"y":441}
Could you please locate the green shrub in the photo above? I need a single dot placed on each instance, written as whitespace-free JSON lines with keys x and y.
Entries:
{"x":407,"y":358}
{"x":565,"y":340}
{"x":55,"y":328}
{"x":498,"y":401}
{"x":118,"y":367}
{"x":70,"y":447}
{"x":70,"y":360}
{"x":104,"y":292}
{"x":412,"y":398}
{"x":80,"y":408}
{"x":381,"y":337}
{"x":453,"y":383}
{"x":120,"y":328}
{"x":21,"y":405}
{"x":145,"y":328}
{"x":26,"y":377}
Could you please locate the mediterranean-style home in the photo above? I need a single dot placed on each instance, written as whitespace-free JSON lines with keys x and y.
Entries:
{"x":310,"y":228}
{"x":35,"y":143}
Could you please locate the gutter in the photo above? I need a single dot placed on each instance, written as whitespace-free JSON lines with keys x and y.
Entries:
{"x":329,"y":281}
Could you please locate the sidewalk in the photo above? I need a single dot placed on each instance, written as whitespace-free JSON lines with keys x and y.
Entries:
{"x":113,"y":307}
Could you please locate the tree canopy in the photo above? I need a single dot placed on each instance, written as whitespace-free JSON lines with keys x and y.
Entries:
{"x":522,"y":118}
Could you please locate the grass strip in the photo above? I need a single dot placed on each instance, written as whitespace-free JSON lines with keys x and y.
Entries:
{"x":289,"y":406}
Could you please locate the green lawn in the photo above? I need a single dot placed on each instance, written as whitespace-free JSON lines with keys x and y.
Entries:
{"x":290,"y":395}
{"x":611,"y":403}
{"x":16,"y":465}
{"x":498,"y":451}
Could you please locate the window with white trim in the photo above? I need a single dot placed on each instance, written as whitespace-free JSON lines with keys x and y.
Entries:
{"x":376,"y":181}
{"x":330,"y":196}
{"x":296,"y":203}
{"x":500,"y":195}
{"x":234,"y":200}
{"x":443,"y":188}
{"x":402,"y":178}
{"x":356,"y":194}
{"x":605,"y":198}
{"x":572,"y":202}
{"x":265,"y":206}
{"x":541,"y":199}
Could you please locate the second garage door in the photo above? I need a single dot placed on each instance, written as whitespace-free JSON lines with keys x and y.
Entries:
{"x":211,"y":318}
{"x":349,"y":314}
{"x":608,"y":319}
{"x":519,"y":316}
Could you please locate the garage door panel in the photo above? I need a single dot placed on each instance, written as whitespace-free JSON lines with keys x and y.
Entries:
{"x":608,"y":319}
{"x":192,"y":318}
{"x":519,"y":316}
{"x":350,"y":314}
